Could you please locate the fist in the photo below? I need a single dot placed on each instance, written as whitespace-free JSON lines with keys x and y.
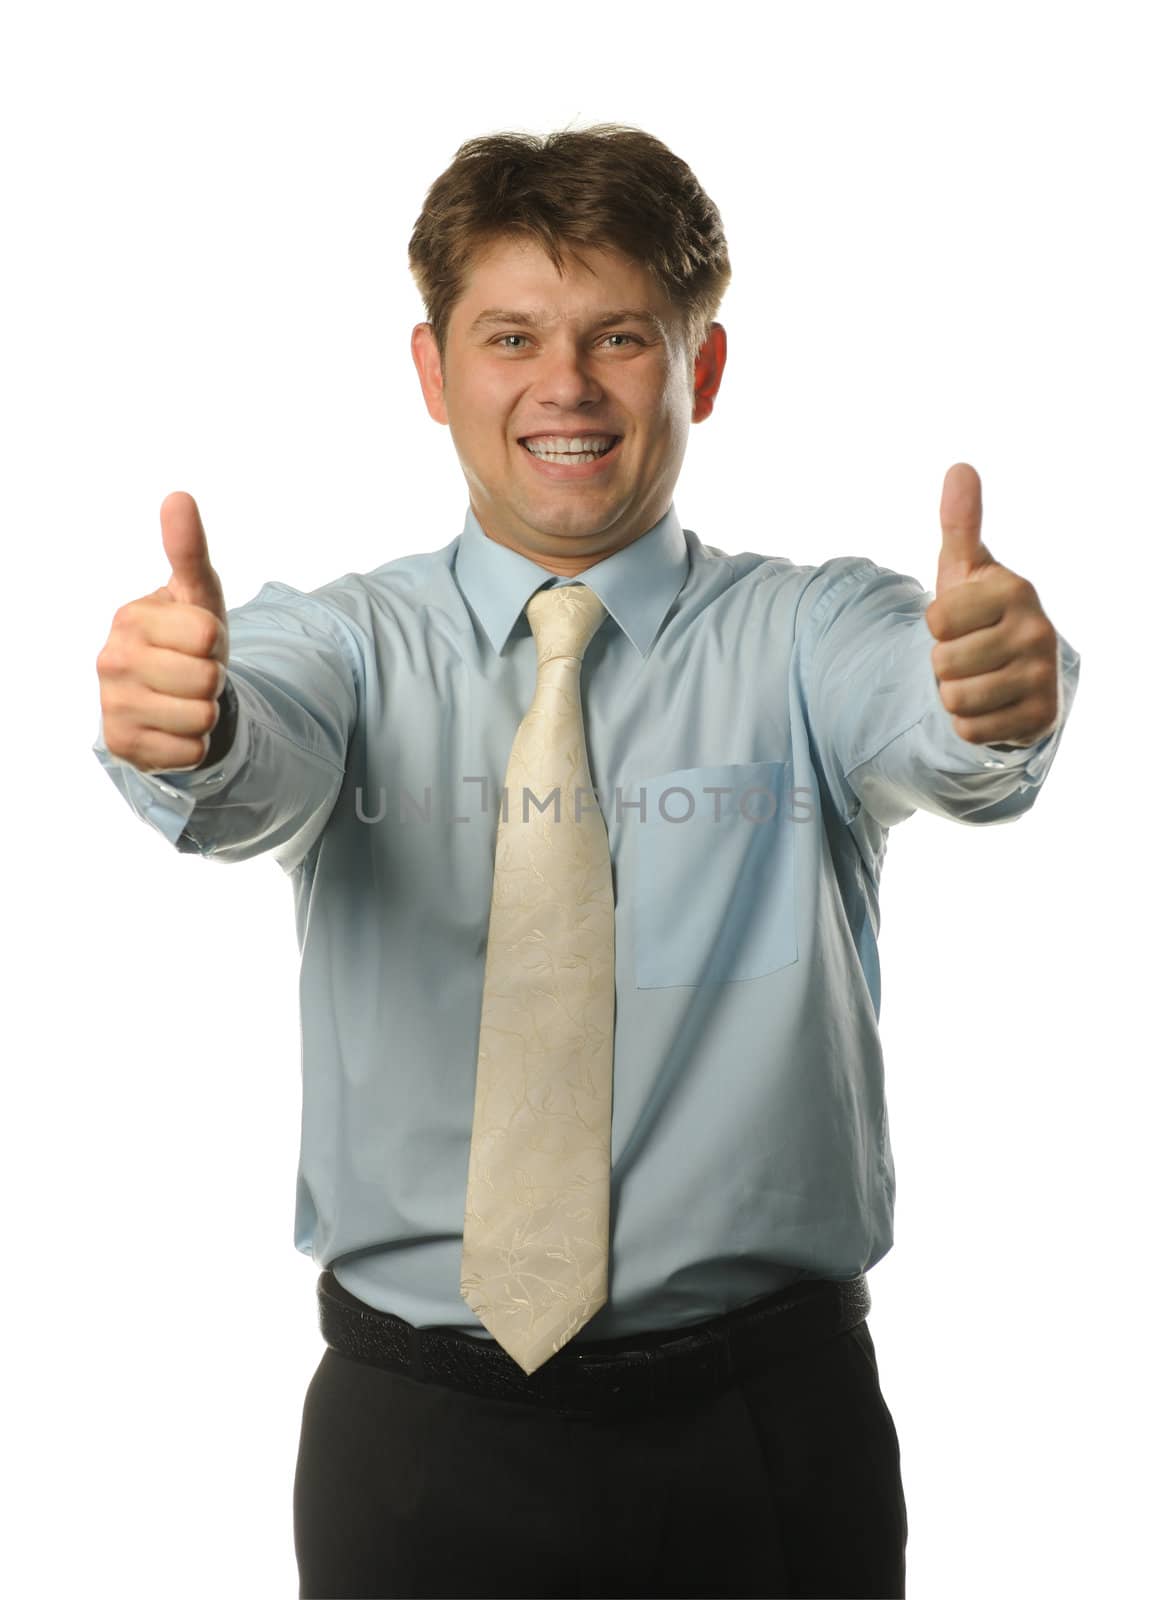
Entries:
{"x":163,"y":666}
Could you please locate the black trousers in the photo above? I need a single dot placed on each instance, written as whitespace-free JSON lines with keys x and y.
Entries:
{"x":785,"y":1484}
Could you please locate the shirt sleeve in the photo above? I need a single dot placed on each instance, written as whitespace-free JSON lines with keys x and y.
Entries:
{"x":295,"y":670}
{"x":883,"y":738}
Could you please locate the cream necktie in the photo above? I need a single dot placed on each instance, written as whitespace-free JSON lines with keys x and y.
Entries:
{"x":537,"y":1210}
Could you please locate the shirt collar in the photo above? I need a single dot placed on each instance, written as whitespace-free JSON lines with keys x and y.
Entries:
{"x":637,"y":585}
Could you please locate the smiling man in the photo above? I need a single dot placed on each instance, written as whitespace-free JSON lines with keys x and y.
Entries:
{"x":569,"y":397}
{"x":585,"y":821}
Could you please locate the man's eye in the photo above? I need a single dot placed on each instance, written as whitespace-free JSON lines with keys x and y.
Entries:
{"x":505,"y":337}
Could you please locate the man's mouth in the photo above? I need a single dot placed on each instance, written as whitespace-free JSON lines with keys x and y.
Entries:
{"x":570,"y":451}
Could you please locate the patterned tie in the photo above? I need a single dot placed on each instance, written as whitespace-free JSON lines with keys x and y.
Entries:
{"x":537,"y":1211}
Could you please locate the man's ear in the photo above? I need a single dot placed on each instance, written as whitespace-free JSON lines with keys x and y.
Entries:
{"x":709,"y":364}
{"x":427,"y":359}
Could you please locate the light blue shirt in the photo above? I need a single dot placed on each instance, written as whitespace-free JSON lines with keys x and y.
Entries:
{"x":754,"y":729}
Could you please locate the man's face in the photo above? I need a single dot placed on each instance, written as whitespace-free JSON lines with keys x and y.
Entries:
{"x":551,"y":363}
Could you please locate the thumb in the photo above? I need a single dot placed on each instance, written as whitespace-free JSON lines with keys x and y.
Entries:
{"x":962,"y":552}
{"x":193,"y":580}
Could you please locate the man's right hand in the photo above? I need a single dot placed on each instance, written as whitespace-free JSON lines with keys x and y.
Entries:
{"x":164,"y":663}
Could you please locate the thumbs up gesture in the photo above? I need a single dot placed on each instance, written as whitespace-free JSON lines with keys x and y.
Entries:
{"x":163,"y":666}
{"x":996,"y":659}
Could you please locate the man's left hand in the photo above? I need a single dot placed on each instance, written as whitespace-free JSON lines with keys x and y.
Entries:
{"x":997,"y":657}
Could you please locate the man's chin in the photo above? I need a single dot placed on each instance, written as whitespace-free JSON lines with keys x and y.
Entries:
{"x":555,"y":518}
{"x":554,"y":525}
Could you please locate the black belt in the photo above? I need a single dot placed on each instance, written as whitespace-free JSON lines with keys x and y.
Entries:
{"x":642,"y":1372}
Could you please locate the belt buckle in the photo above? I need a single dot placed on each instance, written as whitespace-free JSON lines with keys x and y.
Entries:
{"x":678,"y":1364}
{"x":591,"y":1381}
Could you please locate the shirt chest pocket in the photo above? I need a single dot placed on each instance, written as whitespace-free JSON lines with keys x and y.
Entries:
{"x":715,"y":892}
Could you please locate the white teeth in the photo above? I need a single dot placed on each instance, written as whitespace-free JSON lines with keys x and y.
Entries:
{"x":552,"y":449}
{"x":574,"y":458}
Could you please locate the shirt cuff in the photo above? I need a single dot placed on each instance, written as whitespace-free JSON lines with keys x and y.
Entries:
{"x":166,"y":800}
{"x":1032,"y":761}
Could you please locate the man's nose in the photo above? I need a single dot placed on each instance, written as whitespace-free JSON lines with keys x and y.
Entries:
{"x":567,"y":374}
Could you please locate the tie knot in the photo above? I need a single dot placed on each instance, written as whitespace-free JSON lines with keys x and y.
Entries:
{"x":564,"y":620}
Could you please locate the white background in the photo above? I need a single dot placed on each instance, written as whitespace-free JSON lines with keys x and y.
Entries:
{"x":943,"y":226}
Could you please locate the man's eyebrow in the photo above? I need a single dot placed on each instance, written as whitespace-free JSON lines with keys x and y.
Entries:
{"x":528,"y":319}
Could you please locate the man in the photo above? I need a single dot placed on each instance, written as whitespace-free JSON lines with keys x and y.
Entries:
{"x":585,"y":821}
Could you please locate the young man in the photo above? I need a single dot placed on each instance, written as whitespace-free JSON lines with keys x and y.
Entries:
{"x":585,"y":820}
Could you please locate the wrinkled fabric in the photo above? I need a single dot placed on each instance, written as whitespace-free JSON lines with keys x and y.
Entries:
{"x":754,"y":729}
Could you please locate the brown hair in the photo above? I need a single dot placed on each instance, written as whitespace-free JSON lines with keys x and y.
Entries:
{"x":609,"y":186}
